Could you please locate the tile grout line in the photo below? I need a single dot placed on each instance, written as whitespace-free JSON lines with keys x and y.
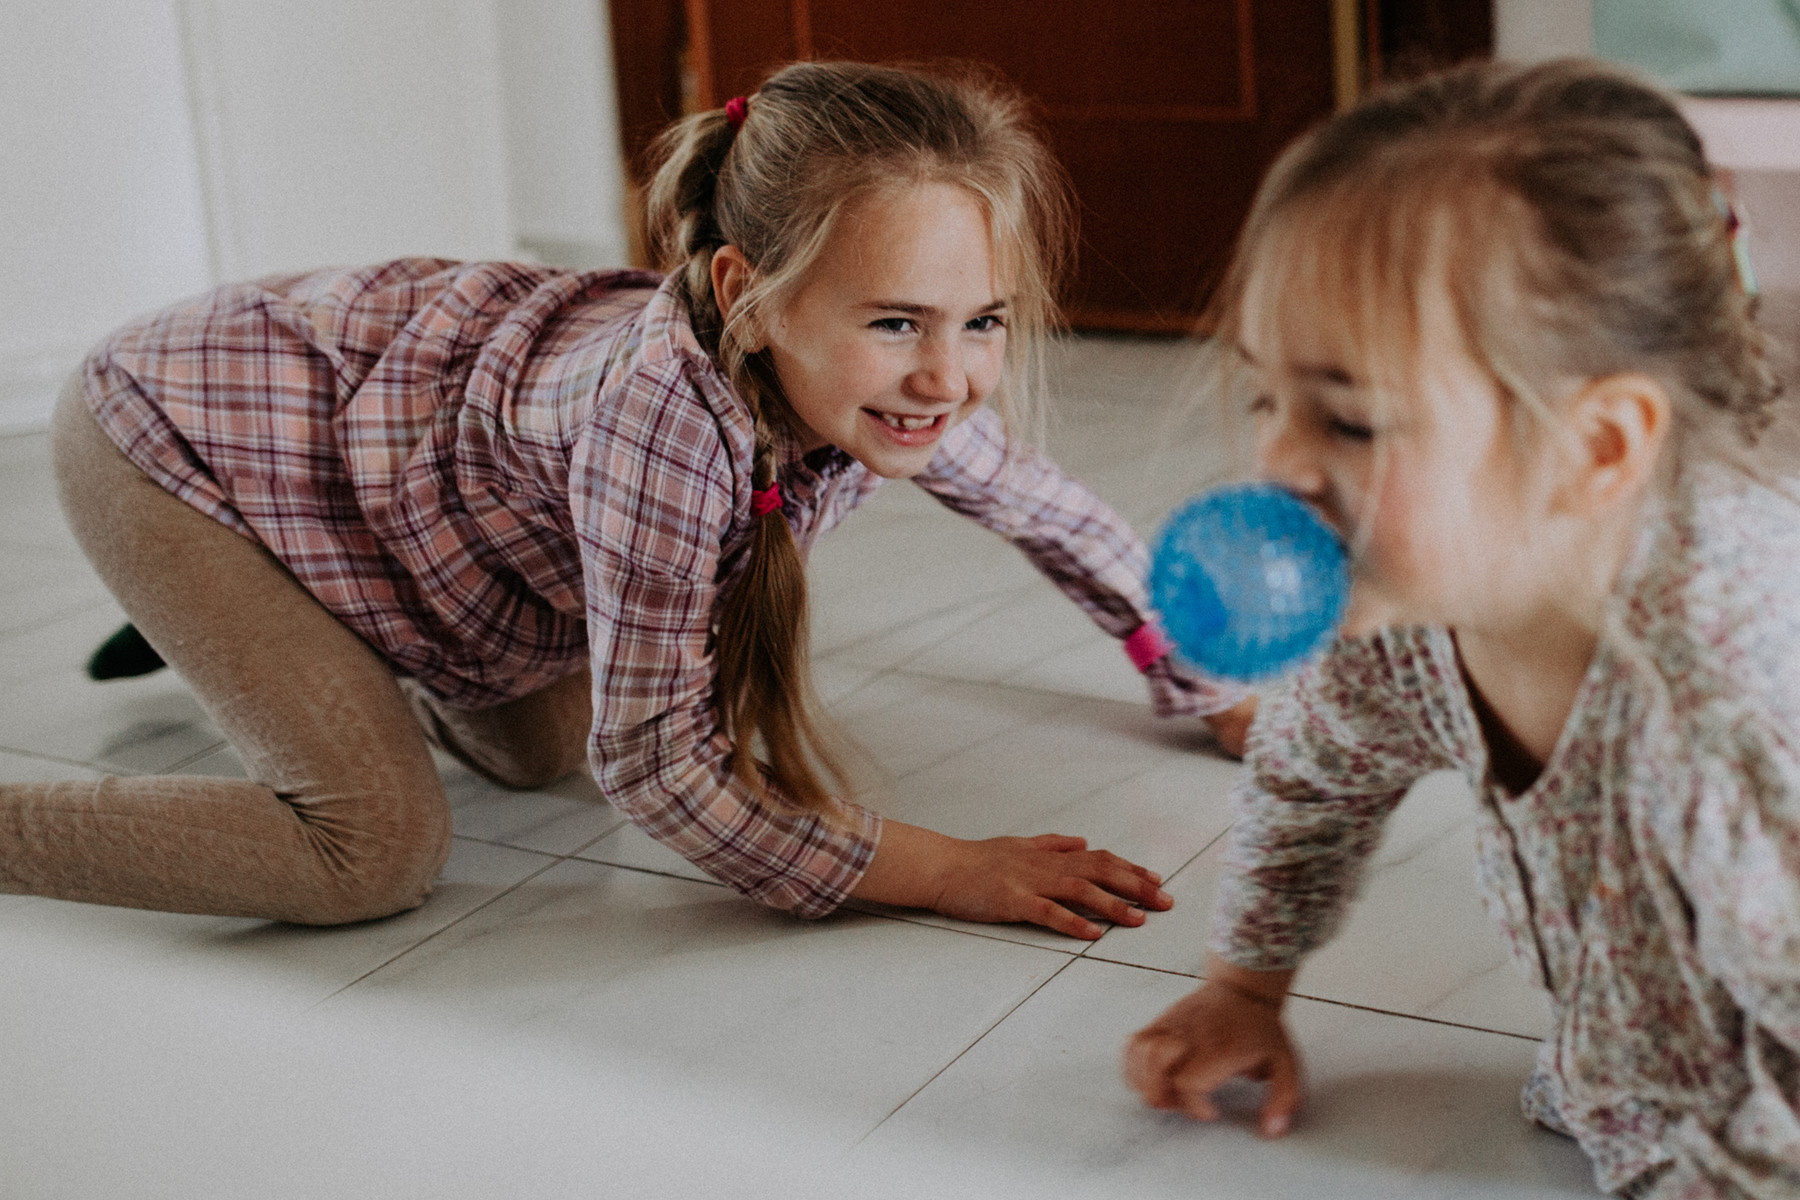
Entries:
{"x":75,"y":762}
{"x":556,"y":860}
{"x":1368,"y":1008}
{"x":193,"y":758}
{"x":981,"y":1037}
{"x":44,"y":623}
{"x":1170,"y":878}
{"x":1388,"y":1012}
{"x":985,"y":610}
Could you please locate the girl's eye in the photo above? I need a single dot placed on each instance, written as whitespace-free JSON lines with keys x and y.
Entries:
{"x":1350,"y":431}
{"x":893,"y":324}
{"x":986,"y":323}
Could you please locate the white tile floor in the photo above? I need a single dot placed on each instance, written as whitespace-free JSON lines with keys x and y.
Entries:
{"x":577,"y":1011}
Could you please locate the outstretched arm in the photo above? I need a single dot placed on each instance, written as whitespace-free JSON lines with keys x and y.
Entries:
{"x":1083,"y":547}
{"x":1332,"y":756}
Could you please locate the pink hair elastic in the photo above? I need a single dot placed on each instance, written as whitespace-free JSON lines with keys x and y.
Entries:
{"x":1147,"y":644}
{"x":766,"y":501}
{"x":736,"y":109}
{"x":1740,"y":242}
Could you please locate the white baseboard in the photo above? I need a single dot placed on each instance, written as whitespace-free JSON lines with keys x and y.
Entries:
{"x":29,"y":381}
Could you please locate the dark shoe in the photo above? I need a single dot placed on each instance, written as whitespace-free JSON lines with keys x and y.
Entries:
{"x":124,"y":655}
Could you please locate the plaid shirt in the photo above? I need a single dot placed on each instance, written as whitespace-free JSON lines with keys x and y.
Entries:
{"x":493,"y":472}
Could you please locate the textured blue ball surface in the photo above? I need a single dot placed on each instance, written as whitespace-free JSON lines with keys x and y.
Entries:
{"x":1249,"y":581}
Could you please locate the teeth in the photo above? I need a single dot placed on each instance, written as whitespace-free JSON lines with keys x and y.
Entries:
{"x":900,"y":422}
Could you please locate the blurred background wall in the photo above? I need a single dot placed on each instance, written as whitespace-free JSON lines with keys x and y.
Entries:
{"x":152,"y":148}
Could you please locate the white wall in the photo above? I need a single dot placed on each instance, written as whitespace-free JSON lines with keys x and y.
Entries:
{"x":1530,"y":30}
{"x":98,"y":184}
{"x":153,"y":147}
{"x":565,"y":160}
{"x":1756,"y":140}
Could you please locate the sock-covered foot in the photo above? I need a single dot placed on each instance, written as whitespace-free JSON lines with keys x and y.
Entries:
{"x":124,"y":655}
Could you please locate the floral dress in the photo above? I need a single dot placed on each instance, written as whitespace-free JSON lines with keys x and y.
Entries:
{"x":1649,"y":879}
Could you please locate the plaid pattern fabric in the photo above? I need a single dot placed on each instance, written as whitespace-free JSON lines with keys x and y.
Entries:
{"x":493,"y":472}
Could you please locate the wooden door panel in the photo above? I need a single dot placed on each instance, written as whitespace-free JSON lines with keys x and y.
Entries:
{"x":1128,"y":58}
{"x":1165,"y":112}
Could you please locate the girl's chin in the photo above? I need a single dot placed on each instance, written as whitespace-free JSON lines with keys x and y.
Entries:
{"x":1366,"y":614}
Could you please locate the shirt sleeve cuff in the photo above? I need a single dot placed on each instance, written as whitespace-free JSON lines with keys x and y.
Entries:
{"x":822,"y":882}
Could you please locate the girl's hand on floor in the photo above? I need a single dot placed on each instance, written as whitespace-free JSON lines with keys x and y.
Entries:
{"x":1231,"y":728}
{"x":1049,"y":880}
{"x":1221,"y":1032}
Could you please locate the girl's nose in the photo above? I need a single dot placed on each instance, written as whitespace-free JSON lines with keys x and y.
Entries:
{"x":940,"y":376}
{"x":1285,"y":456}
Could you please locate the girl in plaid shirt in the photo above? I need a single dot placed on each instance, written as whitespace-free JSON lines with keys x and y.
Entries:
{"x":550,"y":518}
{"x":1500,"y":331}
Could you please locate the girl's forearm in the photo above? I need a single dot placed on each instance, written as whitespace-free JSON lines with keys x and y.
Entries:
{"x":909,"y":867}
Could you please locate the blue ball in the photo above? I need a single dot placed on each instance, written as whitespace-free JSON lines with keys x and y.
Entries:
{"x":1249,"y":581}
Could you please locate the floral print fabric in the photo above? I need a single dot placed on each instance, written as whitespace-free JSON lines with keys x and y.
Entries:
{"x":1649,"y":879}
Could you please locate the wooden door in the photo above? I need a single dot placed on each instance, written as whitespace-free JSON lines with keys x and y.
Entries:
{"x":1165,"y":114}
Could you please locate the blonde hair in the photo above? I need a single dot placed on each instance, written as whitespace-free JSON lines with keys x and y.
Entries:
{"x":817,"y":138}
{"x":1566,"y":213}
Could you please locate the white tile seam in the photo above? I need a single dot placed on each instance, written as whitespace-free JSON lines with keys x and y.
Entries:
{"x":176,"y":767}
{"x":555,"y":860}
{"x":982,"y":1036}
{"x":44,"y":623}
{"x":978,"y":609}
{"x":576,"y":857}
{"x":617,"y":825}
{"x":83,"y":764}
{"x":1368,"y":1008}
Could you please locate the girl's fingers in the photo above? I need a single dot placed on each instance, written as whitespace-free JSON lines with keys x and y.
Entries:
{"x":1099,"y":901}
{"x":1058,"y":842}
{"x":1114,"y":863}
{"x":1150,"y":1060}
{"x":1198,"y":1079}
{"x":1041,"y":910}
{"x":1283,"y":1099}
{"x":1122,"y":879}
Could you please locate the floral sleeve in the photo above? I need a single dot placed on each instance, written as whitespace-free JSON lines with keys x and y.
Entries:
{"x":1330,"y":756}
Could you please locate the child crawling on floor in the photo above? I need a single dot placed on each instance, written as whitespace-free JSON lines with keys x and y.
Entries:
{"x":1500,"y":329}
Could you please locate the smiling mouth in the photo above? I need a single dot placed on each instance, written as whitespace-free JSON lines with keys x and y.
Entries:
{"x":904,"y":422}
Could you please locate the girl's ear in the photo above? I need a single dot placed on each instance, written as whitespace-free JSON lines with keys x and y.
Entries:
{"x":1619,"y":424}
{"x":731,"y":276}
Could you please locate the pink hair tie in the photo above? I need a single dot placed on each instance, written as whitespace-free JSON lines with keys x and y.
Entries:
{"x":736,"y":109}
{"x":766,"y":501}
{"x":1147,"y":644}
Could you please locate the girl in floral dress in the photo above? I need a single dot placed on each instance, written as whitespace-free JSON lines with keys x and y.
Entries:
{"x":1498,"y":324}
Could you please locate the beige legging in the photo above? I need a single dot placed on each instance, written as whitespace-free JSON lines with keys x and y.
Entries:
{"x":344,"y":817}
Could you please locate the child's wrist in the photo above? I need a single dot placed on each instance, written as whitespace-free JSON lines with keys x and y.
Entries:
{"x":911,"y":867}
{"x":1147,"y":645}
{"x":1274,"y":1003}
{"x":1268,"y":988}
